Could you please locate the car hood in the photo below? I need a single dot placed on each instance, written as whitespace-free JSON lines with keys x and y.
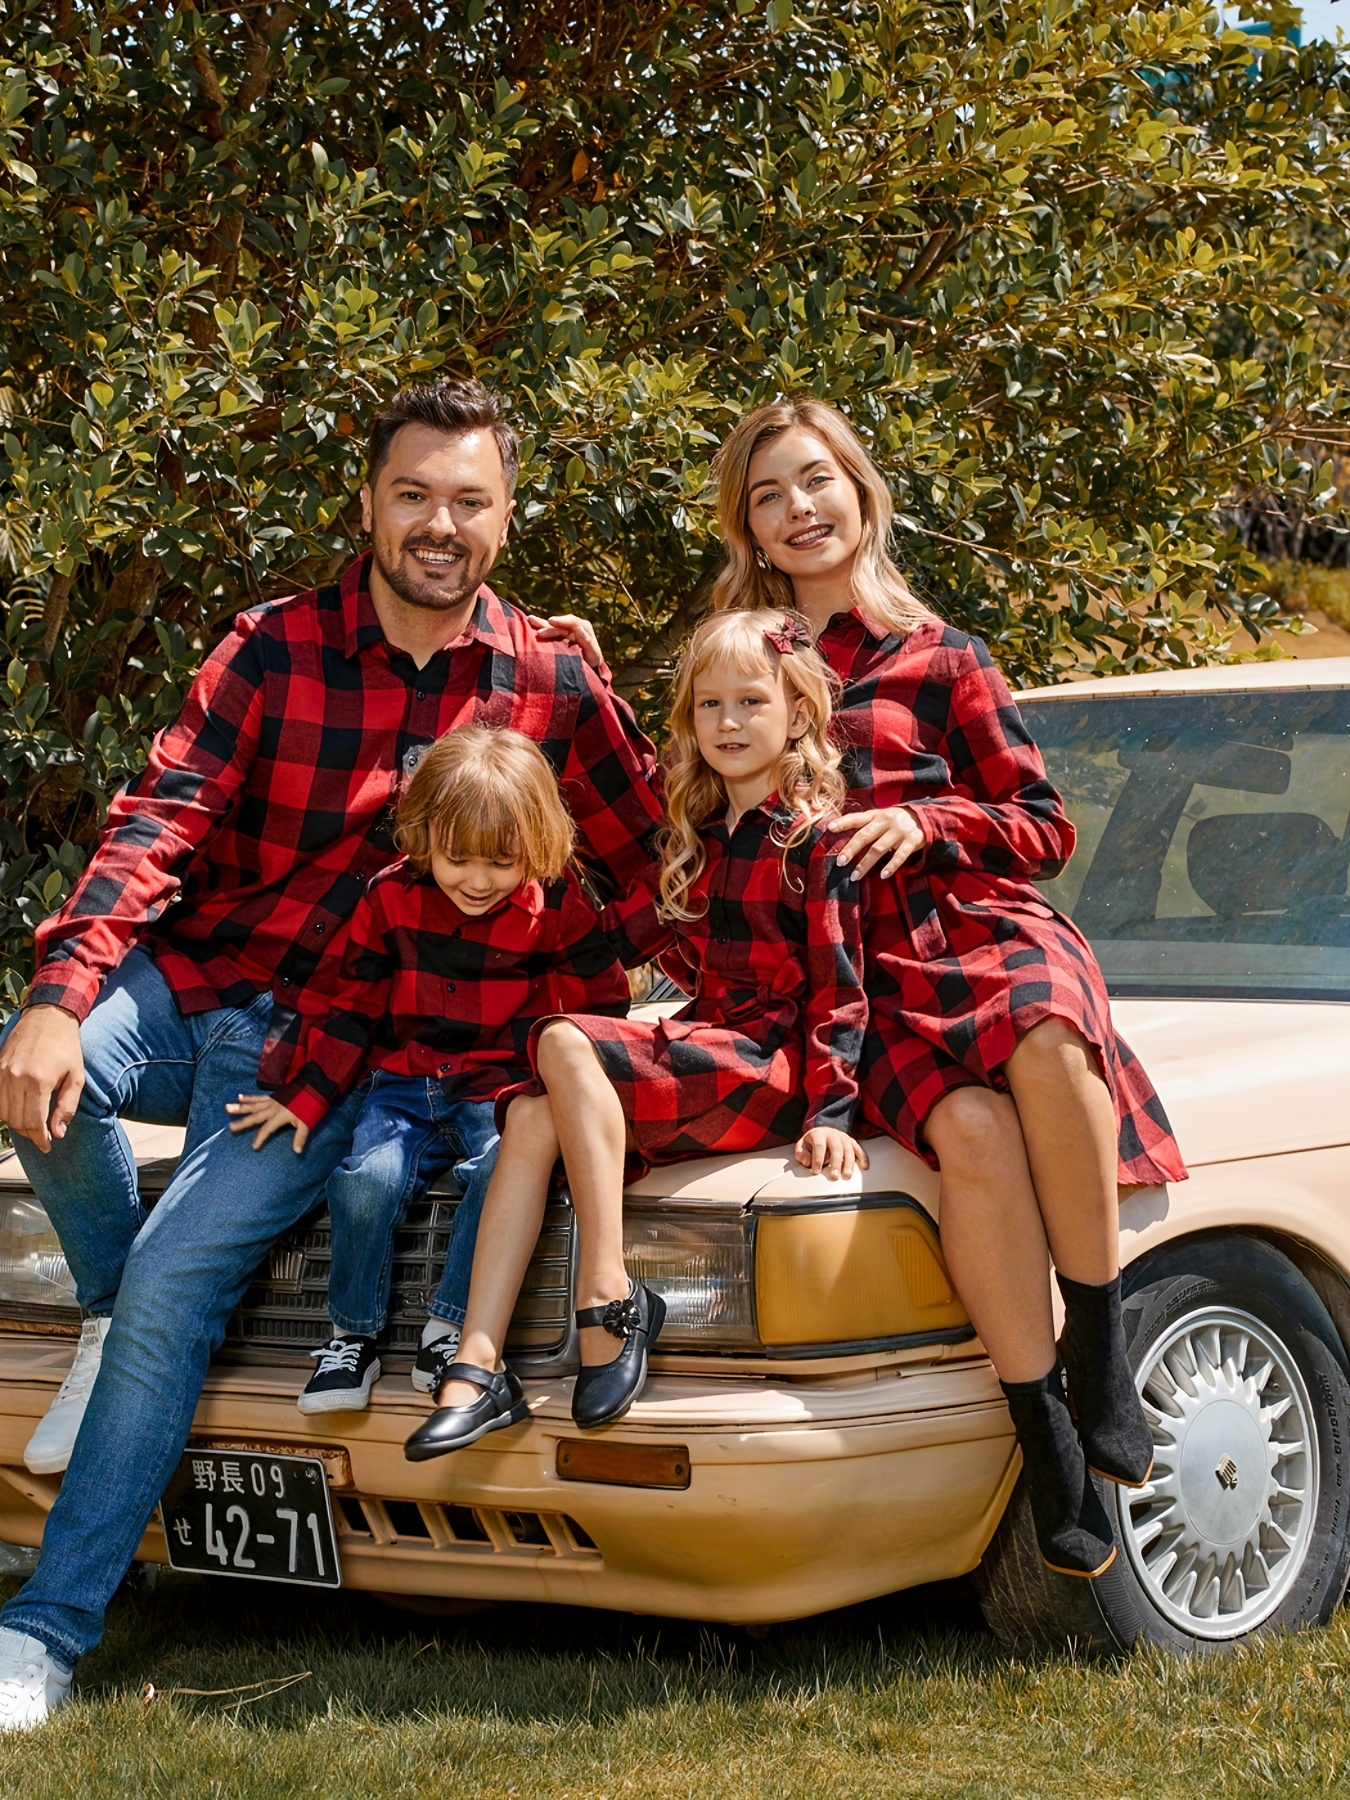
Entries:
{"x":1245,"y":1078}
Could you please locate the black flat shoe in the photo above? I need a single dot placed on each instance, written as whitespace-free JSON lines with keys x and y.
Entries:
{"x":1073,"y":1531}
{"x":604,"y":1393}
{"x":1112,"y":1424}
{"x":456,"y":1427}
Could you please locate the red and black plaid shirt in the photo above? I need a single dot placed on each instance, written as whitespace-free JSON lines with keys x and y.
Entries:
{"x":268,"y":804}
{"x":425,"y":989}
{"x":773,"y":929}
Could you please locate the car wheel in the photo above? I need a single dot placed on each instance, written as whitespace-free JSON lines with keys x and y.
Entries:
{"x":1244,"y":1526}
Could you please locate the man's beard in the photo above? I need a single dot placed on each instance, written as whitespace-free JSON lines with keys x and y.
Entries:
{"x":427,"y":597}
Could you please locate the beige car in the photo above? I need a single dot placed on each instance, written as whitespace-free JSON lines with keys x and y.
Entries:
{"x":822,"y":1426}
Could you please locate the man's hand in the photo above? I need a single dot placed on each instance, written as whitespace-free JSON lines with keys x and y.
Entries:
{"x":884,"y":830}
{"x":579,"y":633}
{"x":835,"y":1153}
{"x":269,"y":1115}
{"x":41,"y":1075}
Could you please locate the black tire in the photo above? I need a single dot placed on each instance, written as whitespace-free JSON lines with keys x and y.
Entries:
{"x":1178,"y":1290}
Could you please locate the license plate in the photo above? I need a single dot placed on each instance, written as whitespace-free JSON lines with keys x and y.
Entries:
{"x":264,"y":1518}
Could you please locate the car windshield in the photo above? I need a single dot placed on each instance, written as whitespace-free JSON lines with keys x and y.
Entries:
{"x":1213,"y":839}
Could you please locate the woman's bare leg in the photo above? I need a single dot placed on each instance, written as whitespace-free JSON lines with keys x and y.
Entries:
{"x":993,"y":1241}
{"x":588,"y":1117}
{"x":513,"y":1211}
{"x":1069,"y":1128}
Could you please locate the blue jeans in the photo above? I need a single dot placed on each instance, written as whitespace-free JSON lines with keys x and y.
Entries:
{"x":171,"y":1281}
{"x":407,"y":1133}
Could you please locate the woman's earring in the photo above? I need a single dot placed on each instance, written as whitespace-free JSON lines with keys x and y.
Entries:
{"x":761,"y":559}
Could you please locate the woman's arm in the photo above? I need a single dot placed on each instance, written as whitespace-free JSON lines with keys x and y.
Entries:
{"x":1004,"y":817}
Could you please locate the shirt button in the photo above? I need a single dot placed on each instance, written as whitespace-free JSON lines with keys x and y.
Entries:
{"x":318,"y":928}
{"x":421,"y":693}
{"x":445,"y":1068}
{"x":449,"y":987}
{"x":285,"y":981}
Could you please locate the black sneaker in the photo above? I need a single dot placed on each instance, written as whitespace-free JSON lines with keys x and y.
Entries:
{"x":348,"y":1368}
{"x":432,"y":1360}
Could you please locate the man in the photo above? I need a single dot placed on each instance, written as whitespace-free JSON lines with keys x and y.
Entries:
{"x":219,"y":879}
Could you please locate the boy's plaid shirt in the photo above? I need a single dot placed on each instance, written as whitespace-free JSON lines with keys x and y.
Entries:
{"x":267,"y":805}
{"x":421,"y":988}
{"x":777,"y":939}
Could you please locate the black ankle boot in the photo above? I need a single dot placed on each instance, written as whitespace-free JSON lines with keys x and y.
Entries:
{"x":1111,"y":1424}
{"x":1072,"y":1529}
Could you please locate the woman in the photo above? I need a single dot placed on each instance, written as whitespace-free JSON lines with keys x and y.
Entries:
{"x":991,"y":1051}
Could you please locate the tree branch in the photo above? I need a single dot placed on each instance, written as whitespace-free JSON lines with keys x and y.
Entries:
{"x":54,"y":611}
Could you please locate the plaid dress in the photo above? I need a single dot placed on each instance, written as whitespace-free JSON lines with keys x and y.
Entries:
{"x":964,"y":956}
{"x":768,"y":1045}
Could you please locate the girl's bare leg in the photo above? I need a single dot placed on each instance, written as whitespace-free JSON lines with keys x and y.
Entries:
{"x":993,"y":1241}
{"x":513,"y":1211}
{"x":1069,"y":1127}
{"x":588,"y":1118}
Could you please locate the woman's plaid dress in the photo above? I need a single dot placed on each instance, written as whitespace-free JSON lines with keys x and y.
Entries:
{"x":769,"y":1044}
{"x":964,"y":956}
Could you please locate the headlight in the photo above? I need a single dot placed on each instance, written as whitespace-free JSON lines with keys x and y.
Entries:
{"x":805,"y":1278}
{"x":33,"y":1270}
{"x":703,"y":1268}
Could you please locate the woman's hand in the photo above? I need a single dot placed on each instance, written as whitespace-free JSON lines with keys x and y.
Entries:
{"x":569,"y":629}
{"x":269,"y":1115}
{"x":884,"y":831}
{"x":833,"y":1153}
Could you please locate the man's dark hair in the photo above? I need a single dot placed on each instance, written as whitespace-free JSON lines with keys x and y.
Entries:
{"x":453,"y":407}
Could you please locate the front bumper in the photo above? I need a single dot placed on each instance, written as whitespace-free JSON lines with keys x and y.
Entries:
{"x":803,"y":1495}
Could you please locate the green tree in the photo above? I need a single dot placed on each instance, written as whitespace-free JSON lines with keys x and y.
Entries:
{"x":1049,"y":254}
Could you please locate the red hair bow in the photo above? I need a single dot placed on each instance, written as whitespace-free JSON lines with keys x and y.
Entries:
{"x":793,"y":633}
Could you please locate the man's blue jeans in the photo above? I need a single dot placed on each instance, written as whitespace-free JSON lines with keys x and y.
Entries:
{"x":175,"y":1278}
{"x":407,"y":1134}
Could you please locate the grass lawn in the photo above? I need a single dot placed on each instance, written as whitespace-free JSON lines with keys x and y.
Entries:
{"x":905,"y":1697}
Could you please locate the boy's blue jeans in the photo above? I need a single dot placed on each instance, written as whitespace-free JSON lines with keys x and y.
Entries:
{"x":407,"y":1134}
{"x":176,"y":1276}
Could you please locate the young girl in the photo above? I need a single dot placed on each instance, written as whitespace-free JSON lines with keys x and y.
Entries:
{"x":749,"y":895}
{"x":452,"y":954}
{"x":991,"y":1050}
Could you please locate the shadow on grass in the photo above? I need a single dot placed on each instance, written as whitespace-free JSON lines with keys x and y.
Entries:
{"x":522,"y":1663}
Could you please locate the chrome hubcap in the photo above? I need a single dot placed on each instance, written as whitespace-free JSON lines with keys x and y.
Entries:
{"x":1220,"y":1532}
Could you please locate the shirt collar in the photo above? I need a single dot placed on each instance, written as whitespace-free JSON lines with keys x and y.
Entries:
{"x":528,"y":898}
{"x":770,"y":808}
{"x":488,"y":624}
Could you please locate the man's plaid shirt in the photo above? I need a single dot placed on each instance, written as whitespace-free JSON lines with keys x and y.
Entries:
{"x":267,"y":805}
{"x":425,"y":989}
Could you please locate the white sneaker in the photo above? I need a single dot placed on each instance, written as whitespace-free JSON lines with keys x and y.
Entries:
{"x":32,"y":1683}
{"x":50,"y":1446}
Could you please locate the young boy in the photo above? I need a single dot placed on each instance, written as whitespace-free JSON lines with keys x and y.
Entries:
{"x":451,"y":955}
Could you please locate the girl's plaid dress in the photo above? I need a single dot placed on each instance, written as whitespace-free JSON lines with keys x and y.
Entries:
{"x":964,"y":956}
{"x":768,"y":1046}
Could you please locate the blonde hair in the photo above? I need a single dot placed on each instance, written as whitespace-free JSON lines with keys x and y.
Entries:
{"x":879,"y":588}
{"x":486,"y":793}
{"x":807,"y":777}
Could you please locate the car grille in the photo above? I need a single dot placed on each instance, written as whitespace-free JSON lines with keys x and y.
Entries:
{"x":471,"y":1531}
{"x":286,"y":1307}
